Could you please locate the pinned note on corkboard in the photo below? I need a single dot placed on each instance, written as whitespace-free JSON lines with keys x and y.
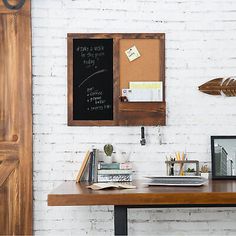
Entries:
{"x":132,"y":53}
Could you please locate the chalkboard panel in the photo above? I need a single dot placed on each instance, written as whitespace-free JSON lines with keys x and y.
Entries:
{"x":93,"y":79}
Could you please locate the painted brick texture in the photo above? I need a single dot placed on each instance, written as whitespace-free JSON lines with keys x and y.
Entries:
{"x":200,"y":45}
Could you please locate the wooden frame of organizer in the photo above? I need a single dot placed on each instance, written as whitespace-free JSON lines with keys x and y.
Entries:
{"x":150,"y":66}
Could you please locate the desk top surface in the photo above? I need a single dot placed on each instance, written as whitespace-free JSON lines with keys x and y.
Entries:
{"x":216,"y":192}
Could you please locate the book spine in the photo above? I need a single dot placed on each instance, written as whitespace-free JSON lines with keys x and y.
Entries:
{"x":115,"y":166}
{"x":108,"y":166}
{"x":90,"y":178}
{"x":115,"y":178}
{"x":114,"y":172}
{"x":126,"y":166}
{"x":85,"y":176}
{"x":95,"y":165}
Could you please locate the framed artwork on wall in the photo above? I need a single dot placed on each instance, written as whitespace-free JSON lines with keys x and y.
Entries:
{"x":223,"y":154}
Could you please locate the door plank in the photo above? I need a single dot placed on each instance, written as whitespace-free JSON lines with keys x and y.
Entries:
{"x":9,"y":204}
{"x":6,"y":168}
{"x":16,"y":114}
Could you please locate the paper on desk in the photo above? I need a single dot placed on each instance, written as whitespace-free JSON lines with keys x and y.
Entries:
{"x":100,"y":186}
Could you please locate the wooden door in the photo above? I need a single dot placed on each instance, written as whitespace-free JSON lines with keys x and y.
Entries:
{"x":15,"y":119}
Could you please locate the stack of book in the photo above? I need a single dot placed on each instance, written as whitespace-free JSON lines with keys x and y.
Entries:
{"x":114,"y":172}
{"x":94,"y":171}
{"x":88,"y":170}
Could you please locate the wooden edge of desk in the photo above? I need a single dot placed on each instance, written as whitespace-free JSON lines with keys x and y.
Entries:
{"x":142,"y":199}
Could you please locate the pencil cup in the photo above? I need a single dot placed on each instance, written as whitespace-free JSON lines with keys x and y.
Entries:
{"x":121,"y":157}
{"x":205,"y":175}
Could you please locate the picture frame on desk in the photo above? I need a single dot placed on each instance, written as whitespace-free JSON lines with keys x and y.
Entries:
{"x":223,"y":157}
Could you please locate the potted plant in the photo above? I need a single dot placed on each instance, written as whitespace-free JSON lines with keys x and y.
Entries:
{"x":108,"y":149}
{"x":205,"y":171}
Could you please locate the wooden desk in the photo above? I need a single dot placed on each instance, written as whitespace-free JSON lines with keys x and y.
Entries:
{"x":218,"y":193}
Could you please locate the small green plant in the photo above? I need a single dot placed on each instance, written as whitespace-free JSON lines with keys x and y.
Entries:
{"x":204,"y":169}
{"x":108,"y":149}
{"x":190,"y":170}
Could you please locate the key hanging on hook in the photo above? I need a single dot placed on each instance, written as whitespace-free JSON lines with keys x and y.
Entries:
{"x":143,"y":140}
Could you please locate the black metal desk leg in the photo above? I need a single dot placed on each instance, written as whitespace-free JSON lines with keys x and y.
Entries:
{"x":120,"y":220}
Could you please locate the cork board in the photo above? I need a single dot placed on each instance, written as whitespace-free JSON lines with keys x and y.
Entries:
{"x":146,"y":67}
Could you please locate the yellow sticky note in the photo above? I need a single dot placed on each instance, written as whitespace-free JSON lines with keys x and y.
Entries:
{"x":132,"y":53}
{"x":145,"y":85}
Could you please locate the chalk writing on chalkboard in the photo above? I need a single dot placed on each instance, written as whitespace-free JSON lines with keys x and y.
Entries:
{"x":93,"y":79}
{"x":96,"y":101}
{"x":90,"y":76}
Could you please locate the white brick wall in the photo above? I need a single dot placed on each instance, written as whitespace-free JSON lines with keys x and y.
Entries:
{"x":200,"y":45}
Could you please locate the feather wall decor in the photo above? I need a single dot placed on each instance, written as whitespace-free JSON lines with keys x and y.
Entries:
{"x":220,"y":86}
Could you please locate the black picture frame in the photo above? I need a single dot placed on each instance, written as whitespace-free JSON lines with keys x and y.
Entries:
{"x":214,"y":176}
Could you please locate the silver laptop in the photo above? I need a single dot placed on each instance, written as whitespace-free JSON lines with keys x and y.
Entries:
{"x":176,"y":180}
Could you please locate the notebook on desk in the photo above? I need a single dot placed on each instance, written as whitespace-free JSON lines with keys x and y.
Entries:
{"x":176,"y":180}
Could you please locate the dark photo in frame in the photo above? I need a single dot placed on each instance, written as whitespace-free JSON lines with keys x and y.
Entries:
{"x":223,"y":154}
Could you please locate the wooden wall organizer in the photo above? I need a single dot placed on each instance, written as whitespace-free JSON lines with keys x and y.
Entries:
{"x":114,"y":71}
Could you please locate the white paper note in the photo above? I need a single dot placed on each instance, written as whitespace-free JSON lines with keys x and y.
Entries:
{"x":132,"y":53}
{"x":142,"y":95}
{"x":144,"y":92}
